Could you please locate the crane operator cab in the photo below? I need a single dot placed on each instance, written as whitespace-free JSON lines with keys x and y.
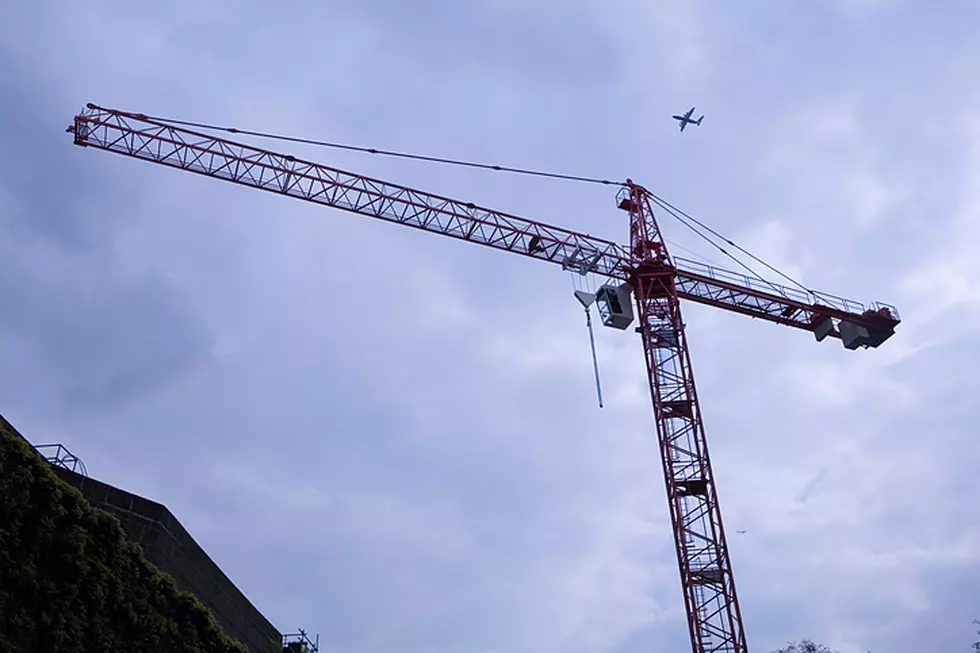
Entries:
{"x":615,"y":307}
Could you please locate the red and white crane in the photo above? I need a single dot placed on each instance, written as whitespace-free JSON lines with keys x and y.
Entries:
{"x":642,"y":273}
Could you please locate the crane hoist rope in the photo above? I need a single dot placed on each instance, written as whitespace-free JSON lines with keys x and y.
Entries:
{"x":392,"y":153}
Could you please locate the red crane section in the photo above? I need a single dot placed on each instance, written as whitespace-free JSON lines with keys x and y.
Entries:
{"x":145,"y":138}
{"x":644,"y":269}
{"x":714,"y":618}
{"x":150,"y":139}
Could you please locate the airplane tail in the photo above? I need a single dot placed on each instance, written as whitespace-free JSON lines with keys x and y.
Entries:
{"x":699,"y":120}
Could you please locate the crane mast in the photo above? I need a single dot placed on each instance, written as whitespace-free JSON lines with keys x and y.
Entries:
{"x":643,"y":273}
{"x":714,"y":618}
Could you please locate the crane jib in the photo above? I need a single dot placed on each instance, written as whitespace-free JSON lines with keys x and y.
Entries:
{"x":135,"y":135}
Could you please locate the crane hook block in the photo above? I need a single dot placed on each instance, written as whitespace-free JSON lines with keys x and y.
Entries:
{"x":615,"y":307}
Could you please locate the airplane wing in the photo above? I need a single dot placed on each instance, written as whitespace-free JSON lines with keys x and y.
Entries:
{"x":683,"y":124}
{"x":687,"y":115}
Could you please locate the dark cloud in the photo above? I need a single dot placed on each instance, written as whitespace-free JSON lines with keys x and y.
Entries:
{"x":99,"y":336}
{"x":102,"y":345}
{"x":392,"y":438}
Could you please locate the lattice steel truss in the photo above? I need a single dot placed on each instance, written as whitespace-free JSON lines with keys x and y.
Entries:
{"x":714,"y":618}
{"x":58,"y":455}
{"x":300,"y":642}
{"x":150,"y":139}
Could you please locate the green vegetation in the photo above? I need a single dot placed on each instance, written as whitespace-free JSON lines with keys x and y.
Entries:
{"x":806,"y":646}
{"x":71,"y":581}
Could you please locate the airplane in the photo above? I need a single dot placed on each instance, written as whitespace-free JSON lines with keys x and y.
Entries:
{"x":686,"y":119}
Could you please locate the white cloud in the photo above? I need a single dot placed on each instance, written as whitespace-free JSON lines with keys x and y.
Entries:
{"x":825,"y":156}
{"x":948,"y":278}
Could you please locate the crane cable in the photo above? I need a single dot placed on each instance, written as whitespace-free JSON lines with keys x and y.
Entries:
{"x":680,"y":215}
{"x":402,"y":155}
{"x":721,"y":249}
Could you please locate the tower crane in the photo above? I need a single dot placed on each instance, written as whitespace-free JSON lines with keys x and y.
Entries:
{"x":641,"y":274}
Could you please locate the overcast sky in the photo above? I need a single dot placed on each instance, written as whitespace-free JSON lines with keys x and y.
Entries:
{"x":391,"y":438}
